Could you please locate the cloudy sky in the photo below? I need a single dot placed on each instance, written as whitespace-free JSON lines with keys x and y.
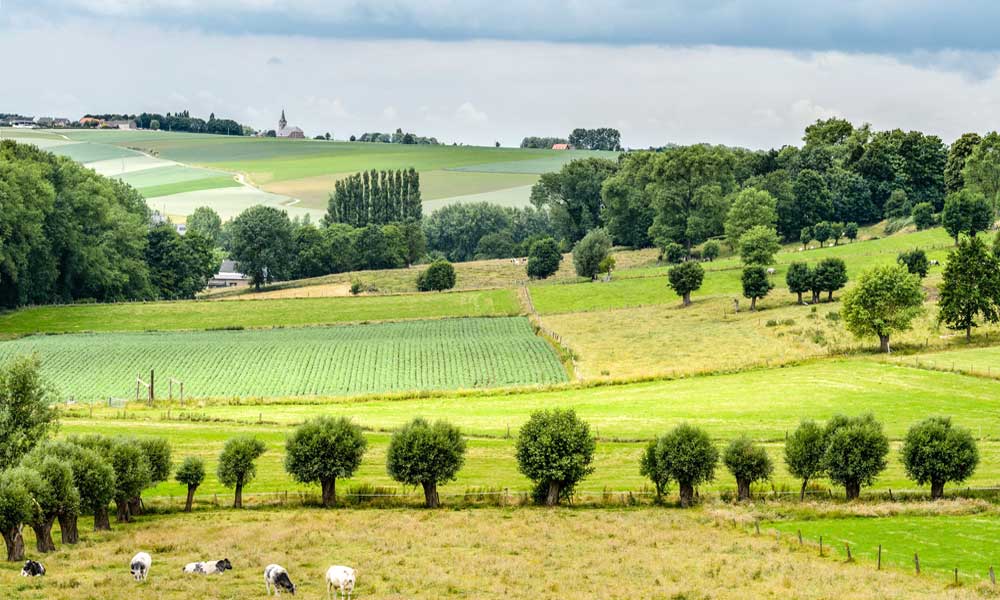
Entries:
{"x":475,"y":71}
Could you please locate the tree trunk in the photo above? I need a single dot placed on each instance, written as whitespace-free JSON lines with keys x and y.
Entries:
{"x":884,"y":341}
{"x":329,"y":493}
{"x":802,"y":492}
{"x":431,"y":499}
{"x":687,"y":494}
{"x":687,"y":298}
{"x":552,"y":497}
{"x":800,"y":297}
{"x":15,"y":544}
{"x":238,"y":501}
{"x":102,"y":521}
{"x":937,"y":489}
{"x":190,"y":498}
{"x":43,"y":535}
{"x":135,"y":506}
{"x":829,"y":297}
{"x":742,"y":489}
{"x":853,"y":490}
{"x":753,"y":304}
{"x":68,"y":529}
{"x":968,"y":333}
{"x":122,"y":513}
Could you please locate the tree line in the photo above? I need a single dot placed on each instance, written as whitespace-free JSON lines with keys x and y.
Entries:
{"x":69,"y":235}
{"x":603,"y":138}
{"x":183,"y":121}
{"x":395,"y":138}
{"x":376,"y":198}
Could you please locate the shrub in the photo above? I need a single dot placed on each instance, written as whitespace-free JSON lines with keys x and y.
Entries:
{"x":237,"y":465}
{"x":710,"y":250}
{"x":607,"y":265}
{"x":438,"y":277}
{"x":690,"y":458}
{"x":748,"y":463}
{"x":674,"y":253}
{"x":590,"y":251}
{"x":804,"y":451}
{"x":191,"y":473}
{"x":686,"y":278}
{"x":935,"y":452}
{"x":323,"y":449}
{"x":855,"y":452}
{"x":923,"y":215}
{"x":543,"y":258}
{"x":426,"y":455}
{"x":555,"y":450}
{"x":915,"y":262}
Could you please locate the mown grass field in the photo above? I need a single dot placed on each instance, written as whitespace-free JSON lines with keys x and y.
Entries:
{"x":484,"y":553}
{"x":310,"y":361}
{"x":165,"y":316}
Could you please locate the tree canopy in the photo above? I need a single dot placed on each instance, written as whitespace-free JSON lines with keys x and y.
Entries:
{"x":426,"y":454}
{"x":555,"y":450}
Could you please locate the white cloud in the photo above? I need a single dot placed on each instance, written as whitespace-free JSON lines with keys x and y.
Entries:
{"x":468,"y":113}
{"x":389,"y":113}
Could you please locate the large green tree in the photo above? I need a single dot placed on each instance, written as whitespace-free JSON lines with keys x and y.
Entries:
{"x":689,"y":457}
{"x":573,"y":195}
{"x":957,"y":155}
{"x":749,"y":208}
{"x":686,"y":278}
{"x":756,"y":284}
{"x":758,"y":245}
{"x":238,"y":464}
{"x":179,"y":266}
{"x":628,"y":210}
{"x":982,"y":169}
{"x":856,"y":450}
{"x":966,"y":211}
{"x":590,"y":251}
{"x":26,"y":413}
{"x":427,"y":455}
{"x":205,"y":221}
{"x":934,"y":452}
{"x":804,"y":450}
{"x":323,"y":450}
{"x":261,"y":244}
{"x":970,"y":289}
{"x":885,"y":300}
{"x":555,"y":450}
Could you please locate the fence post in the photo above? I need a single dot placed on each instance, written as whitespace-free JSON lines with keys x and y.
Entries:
{"x":879,"y":567}
{"x":800,"y":537}
{"x":993,"y":576}
{"x":756,"y":525}
{"x":956,"y":575}
{"x":849,"y":557}
{"x":821,"y":545}
{"x":916,"y":562}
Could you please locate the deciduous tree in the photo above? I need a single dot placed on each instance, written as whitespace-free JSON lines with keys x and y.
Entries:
{"x":426,"y":455}
{"x":190,"y":474}
{"x":804,"y":450}
{"x":856,"y":450}
{"x":934,"y":452}
{"x":555,"y":450}
{"x":690,"y":458}
{"x":686,"y":278}
{"x":748,"y":463}
{"x":237,"y":464}
{"x":970,"y":290}
{"x":756,"y":284}
{"x":322,"y":450}
{"x":885,"y":301}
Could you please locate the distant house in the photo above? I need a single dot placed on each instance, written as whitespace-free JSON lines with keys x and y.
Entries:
{"x":90,"y":120}
{"x":23,"y":123}
{"x":60,"y":122}
{"x":562,"y":147}
{"x":284,"y":131}
{"x":119,"y":124}
{"x":228,"y":276}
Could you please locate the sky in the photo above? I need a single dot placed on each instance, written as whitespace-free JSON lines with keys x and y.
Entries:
{"x":734,"y":72}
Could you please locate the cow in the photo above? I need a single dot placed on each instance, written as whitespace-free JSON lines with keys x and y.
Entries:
{"x":342,"y":578}
{"x":139,"y":567}
{"x":934,"y":263}
{"x":771,"y":271}
{"x":277,"y":576}
{"x":210,"y":567}
{"x":32,"y":569}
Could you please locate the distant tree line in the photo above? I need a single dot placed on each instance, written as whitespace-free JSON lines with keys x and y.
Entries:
{"x":183,"y":121}
{"x":542,"y":142}
{"x":395,"y":138}
{"x":376,"y":198}
{"x":602,"y":138}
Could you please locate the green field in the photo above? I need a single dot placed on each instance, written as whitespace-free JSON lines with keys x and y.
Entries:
{"x":163,"y":316}
{"x":982,"y":361}
{"x":315,"y":361}
{"x":943,"y":543}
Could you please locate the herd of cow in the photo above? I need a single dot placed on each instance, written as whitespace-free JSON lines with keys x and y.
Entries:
{"x":276,"y":578}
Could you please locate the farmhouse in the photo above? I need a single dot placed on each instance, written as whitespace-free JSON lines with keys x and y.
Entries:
{"x":23,"y":123}
{"x":124,"y":124}
{"x":228,"y":276}
{"x":284,"y":131}
{"x":561,"y":147}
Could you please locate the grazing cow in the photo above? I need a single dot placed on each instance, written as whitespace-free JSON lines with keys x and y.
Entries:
{"x":934,"y":263}
{"x":277,"y":576}
{"x":139,"y":567}
{"x":342,"y":578}
{"x":771,"y":271}
{"x":32,"y":569}
{"x":209,"y":567}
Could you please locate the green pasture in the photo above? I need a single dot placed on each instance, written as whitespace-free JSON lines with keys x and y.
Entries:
{"x":942,"y":543}
{"x":312,"y":361}
{"x":980,"y":360}
{"x":165,"y":316}
{"x":554,"y":161}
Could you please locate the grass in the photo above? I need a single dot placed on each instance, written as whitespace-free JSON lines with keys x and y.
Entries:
{"x":979,"y":360}
{"x":164,"y":316}
{"x":348,"y":359}
{"x":484,"y":553}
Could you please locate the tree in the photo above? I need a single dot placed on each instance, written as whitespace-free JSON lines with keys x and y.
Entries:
{"x":158,"y":454}
{"x":981,"y":173}
{"x":26,"y":414}
{"x":957,"y":155}
{"x":573,"y":195}
{"x":915,"y":261}
{"x":799,"y":279}
{"x":457,"y":229}
{"x":829,"y":276}
{"x":323,"y":450}
{"x":93,"y":479}
{"x":748,"y":463}
{"x":851,"y":231}
{"x":658,"y":472}
{"x":426,"y":455}
{"x":710,"y":250}
{"x":607,"y":266}
{"x":690,"y":458}
{"x":804,"y":451}
{"x":821,"y":232}
{"x":836,"y":232}
{"x":261,"y":244}
{"x":886,"y":300}
{"x":590,"y":251}
{"x":179,"y":266}
{"x":966,"y":212}
{"x":935,"y":452}
{"x":674,"y":253}
{"x":805,"y":236}
{"x":543,"y":258}
{"x":439,"y":276}
{"x":206,"y":222}
{"x":555,"y":450}
{"x":380,"y":247}
{"x":923,"y":215}
{"x":191,"y":473}
{"x":898,"y":205}
{"x":812,"y":202}
{"x":237,"y":464}
{"x":132,"y":474}
{"x":53,"y":494}
{"x":686,"y":278}
{"x":756,"y":284}
{"x":749,"y":208}
{"x":16,"y":507}
{"x":970,"y":290}
{"x":628,"y":210}
{"x":855,"y":452}
{"x":500,"y":244}
{"x":759,"y":245}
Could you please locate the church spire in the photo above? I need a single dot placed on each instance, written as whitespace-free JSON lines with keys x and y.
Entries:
{"x":282,"y":122}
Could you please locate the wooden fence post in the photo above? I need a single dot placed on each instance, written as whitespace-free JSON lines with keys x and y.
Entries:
{"x":821,"y":545}
{"x":849,"y":557}
{"x":879,"y":567}
{"x":993,"y":577}
{"x":956,"y":575}
{"x":800,"y":537}
{"x":756,"y":525}
{"x":916,"y":562}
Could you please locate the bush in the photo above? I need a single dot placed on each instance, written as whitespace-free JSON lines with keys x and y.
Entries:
{"x":923,"y":215}
{"x":237,"y":464}
{"x":748,"y":463}
{"x":438,"y":277}
{"x":323,"y":449}
{"x":426,"y":455}
{"x":710,"y":250}
{"x":191,"y":473}
{"x":543,"y":258}
{"x":607,"y":265}
{"x":855,"y":452}
{"x":686,"y":278}
{"x":590,"y":251}
{"x":555,"y":450}
{"x":915,"y":262}
{"x":804,"y":451}
{"x":690,"y":458}
{"x":674,"y":253}
{"x":935,"y":452}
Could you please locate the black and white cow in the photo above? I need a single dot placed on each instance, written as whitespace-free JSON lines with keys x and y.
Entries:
{"x":276,"y":576}
{"x":139,"y":567}
{"x":209,"y":567}
{"x":32,"y":569}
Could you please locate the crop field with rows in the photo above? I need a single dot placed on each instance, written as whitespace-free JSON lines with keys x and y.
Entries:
{"x":418,"y":355}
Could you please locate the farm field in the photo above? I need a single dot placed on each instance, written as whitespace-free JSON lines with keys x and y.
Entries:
{"x":163,"y":316}
{"x":482,"y":553}
{"x":313,"y":361}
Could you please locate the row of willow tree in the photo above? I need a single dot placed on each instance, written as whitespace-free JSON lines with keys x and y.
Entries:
{"x":376,"y":198}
